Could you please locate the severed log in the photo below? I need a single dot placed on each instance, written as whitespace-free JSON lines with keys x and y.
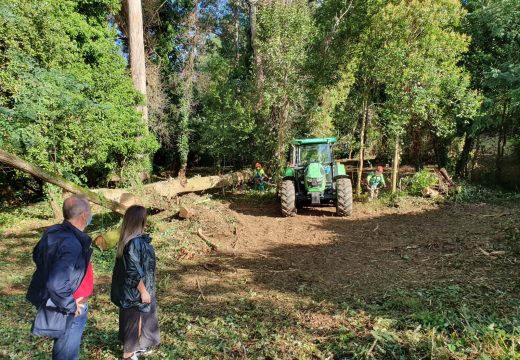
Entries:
{"x":173,"y":187}
{"x":22,"y":165}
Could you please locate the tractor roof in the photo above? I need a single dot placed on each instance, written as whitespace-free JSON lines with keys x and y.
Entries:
{"x":331,"y":140}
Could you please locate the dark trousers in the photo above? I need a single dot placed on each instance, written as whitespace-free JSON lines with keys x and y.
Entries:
{"x":67,"y":346}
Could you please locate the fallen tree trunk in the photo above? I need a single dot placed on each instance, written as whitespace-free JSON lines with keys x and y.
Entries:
{"x":174,"y":187}
{"x":22,"y":165}
{"x":150,"y":194}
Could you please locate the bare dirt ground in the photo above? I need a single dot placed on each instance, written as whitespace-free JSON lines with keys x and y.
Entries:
{"x":418,"y":244}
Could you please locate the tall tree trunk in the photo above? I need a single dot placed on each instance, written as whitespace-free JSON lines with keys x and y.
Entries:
{"x":502,"y":139}
{"x":463,"y":160}
{"x":362,"y":144}
{"x":395,"y":165}
{"x":474,"y":158}
{"x":236,"y":23}
{"x":259,"y":71}
{"x":281,"y":115}
{"x":187,"y":96}
{"x":136,"y":51}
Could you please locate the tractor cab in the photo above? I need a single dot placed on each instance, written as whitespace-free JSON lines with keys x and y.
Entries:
{"x":314,"y":157}
{"x":306,"y":153}
{"x":313,"y":178}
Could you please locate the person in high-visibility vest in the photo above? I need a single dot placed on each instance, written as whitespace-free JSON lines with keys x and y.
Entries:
{"x":259,"y":175}
{"x":375,"y":182}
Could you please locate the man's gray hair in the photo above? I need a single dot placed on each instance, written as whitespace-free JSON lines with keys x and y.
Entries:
{"x":74,"y":206}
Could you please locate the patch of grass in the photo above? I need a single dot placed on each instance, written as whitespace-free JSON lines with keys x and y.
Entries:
{"x":38,"y":212}
{"x":445,"y":323}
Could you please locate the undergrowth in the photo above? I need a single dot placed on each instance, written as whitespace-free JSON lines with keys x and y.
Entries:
{"x":444,"y":321}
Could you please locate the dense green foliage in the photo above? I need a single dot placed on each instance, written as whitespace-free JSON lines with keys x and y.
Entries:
{"x":66,"y":100}
{"x":230,"y":83}
{"x":315,"y":69}
{"x":494,"y":62}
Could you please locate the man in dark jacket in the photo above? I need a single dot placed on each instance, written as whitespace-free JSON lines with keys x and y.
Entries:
{"x":63,"y":279}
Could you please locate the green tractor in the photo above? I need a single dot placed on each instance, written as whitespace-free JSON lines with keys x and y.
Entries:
{"x":312,"y":178}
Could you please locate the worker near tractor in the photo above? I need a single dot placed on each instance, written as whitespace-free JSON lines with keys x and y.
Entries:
{"x":259,"y":177}
{"x":375,"y":181}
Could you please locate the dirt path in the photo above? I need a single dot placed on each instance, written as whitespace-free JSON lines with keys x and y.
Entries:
{"x":417,"y":245}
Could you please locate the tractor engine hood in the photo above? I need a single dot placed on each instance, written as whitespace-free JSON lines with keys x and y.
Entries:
{"x":315,"y":177}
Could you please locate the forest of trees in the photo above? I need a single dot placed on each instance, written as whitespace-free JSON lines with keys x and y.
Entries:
{"x":230,"y":82}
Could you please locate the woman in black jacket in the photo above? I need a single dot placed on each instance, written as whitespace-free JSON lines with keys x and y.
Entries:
{"x":133,"y":285}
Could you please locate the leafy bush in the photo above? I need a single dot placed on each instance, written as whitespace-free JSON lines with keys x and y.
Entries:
{"x":467,"y":192}
{"x":419,"y":181}
{"x":67,"y":102}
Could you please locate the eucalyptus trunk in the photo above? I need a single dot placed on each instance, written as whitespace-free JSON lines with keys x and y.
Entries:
{"x":395,"y":165}
{"x":501,"y":145}
{"x":259,"y":71}
{"x":136,"y":51}
{"x":362,"y":145}
{"x":461,"y":168}
{"x":187,"y":96}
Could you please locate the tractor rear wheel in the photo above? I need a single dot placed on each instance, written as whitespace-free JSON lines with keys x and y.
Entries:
{"x":344,"y":197}
{"x":288,"y":198}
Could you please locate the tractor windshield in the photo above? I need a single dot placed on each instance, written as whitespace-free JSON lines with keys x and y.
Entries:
{"x":314,"y":153}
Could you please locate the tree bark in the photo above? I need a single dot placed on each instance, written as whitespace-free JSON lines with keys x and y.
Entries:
{"x":174,"y":187}
{"x":187,"y":95}
{"x":474,"y":158}
{"x":236,"y":23}
{"x":395,"y":165}
{"x":462,"y":162}
{"x":22,"y":165}
{"x":502,"y":139}
{"x":151,"y":194}
{"x":280,"y":115}
{"x":362,"y":145}
{"x":259,"y":71}
{"x":136,"y":51}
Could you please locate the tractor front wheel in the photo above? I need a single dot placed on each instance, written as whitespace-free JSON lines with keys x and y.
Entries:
{"x":288,"y":198}
{"x":344,"y":197}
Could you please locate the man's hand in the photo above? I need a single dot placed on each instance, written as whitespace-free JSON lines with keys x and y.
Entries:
{"x":79,"y":306}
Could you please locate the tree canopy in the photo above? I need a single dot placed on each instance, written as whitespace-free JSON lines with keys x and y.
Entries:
{"x":231,"y":82}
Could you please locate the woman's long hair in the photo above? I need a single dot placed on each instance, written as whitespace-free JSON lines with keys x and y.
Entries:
{"x":133,"y":226}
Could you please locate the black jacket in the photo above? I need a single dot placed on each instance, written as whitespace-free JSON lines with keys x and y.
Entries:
{"x":61,"y":257}
{"x":137,"y":263}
